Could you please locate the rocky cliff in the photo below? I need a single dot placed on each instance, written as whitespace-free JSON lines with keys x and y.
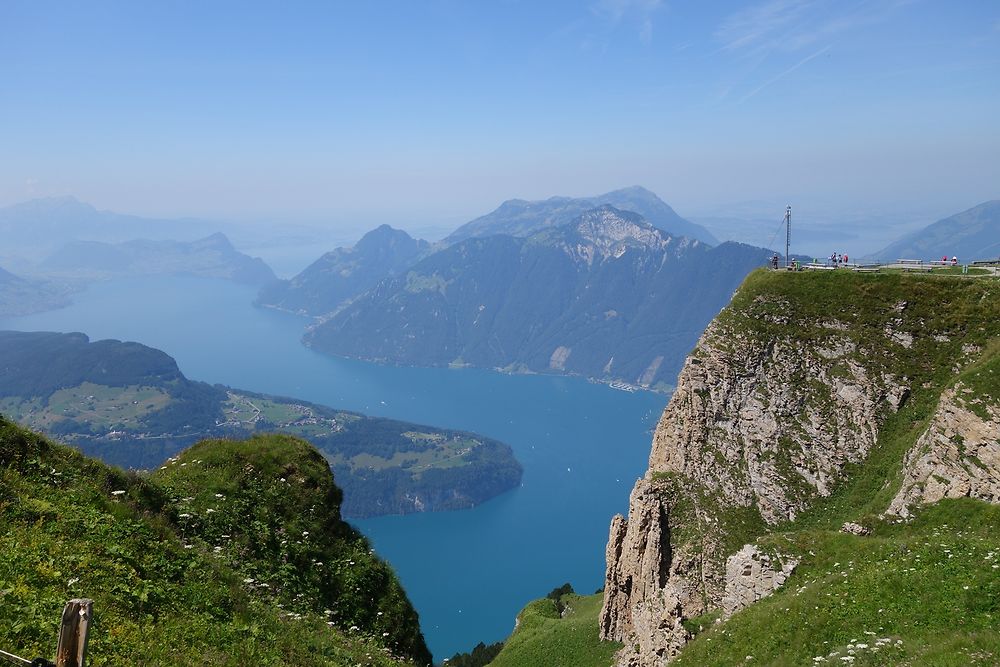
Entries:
{"x":809,"y":396}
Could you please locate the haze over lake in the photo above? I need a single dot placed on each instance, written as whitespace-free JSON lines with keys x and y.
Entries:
{"x":469,"y":572}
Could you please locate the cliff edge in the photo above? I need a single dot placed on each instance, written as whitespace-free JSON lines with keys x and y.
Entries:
{"x":810,"y":401}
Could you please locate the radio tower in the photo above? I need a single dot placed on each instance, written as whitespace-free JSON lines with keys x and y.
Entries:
{"x":788,"y":232}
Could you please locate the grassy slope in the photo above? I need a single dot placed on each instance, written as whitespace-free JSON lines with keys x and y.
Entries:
{"x":544,"y":639}
{"x":925,"y":592}
{"x":161,"y":597}
{"x":921,"y":593}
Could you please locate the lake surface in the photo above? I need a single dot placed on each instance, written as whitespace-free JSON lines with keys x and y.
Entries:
{"x":582,"y":445}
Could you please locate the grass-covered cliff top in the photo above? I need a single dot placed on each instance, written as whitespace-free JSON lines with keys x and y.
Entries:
{"x":919,"y":325}
{"x":233,"y":555}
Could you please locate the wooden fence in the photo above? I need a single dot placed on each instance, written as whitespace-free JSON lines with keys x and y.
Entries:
{"x":71,"y":649}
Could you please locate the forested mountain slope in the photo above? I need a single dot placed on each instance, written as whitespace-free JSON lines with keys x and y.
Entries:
{"x":342,"y":274}
{"x":608,"y":296}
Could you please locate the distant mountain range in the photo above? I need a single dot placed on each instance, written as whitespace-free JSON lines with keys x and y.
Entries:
{"x":130,"y":405}
{"x":342,"y":274}
{"x":607,"y":296}
{"x":39,"y":226}
{"x":970,"y":235}
{"x":22,"y":296}
{"x":518,"y":217}
{"x":210,"y":257}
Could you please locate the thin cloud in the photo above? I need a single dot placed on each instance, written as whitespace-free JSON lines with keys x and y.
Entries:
{"x":785,"y":73}
{"x":639,"y":11}
{"x":749,"y":28}
{"x":616,"y":9}
{"x":793,"y":25}
{"x":646,"y":32}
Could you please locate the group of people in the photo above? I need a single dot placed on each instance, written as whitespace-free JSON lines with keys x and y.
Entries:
{"x":775,"y":260}
{"x":837,"y":259}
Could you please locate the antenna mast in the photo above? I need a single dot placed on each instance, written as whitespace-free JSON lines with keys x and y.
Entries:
{"x":788,"y":232}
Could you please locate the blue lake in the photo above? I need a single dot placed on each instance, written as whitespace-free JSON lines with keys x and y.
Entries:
{"x":582,"y":445}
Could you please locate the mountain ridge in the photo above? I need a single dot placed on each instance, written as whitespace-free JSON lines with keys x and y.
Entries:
{"x":212,"y":257}
{"x":602,"y":297}
{"x":973,"y":234}
{"x":342,"y":274}
{"x":519,"y":217}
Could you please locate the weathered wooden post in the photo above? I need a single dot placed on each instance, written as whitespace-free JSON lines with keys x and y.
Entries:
{"x":71,"y":651}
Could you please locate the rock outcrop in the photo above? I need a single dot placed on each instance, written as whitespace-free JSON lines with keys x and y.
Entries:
{"x":752,"y":575}
{"x":957,"y":456}
{"x":772,"y":423}
{"x":648,"y":585}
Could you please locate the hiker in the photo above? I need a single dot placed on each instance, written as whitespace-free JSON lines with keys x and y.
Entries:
{"x":833,"y":259}
{"x":774,"y":261}
{"x":954,"y":260}
{"x":845,"y":259}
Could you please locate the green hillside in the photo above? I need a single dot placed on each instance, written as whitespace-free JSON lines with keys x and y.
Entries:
{"x":233,"y":555}
{"x":546,"y":637}
{"x":920,"y":593}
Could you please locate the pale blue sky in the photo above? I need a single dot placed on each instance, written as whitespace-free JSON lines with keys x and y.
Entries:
{"x":415,"y":112}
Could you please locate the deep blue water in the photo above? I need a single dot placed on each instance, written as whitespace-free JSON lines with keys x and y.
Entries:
{"x":469,"y":572}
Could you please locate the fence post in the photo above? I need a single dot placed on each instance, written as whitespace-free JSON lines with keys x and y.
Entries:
{"x":72,"y":648}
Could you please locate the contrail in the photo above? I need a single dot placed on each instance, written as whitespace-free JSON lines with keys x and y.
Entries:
{"x":784,"y":74}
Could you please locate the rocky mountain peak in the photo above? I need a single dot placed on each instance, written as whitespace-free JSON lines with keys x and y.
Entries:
{"x":386,"y":236}
{"x":608,"y":225}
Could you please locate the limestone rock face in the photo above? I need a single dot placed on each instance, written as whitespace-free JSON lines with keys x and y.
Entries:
{"x":957,"y":456}
{"x":752,"y":575}
{"x":772,"y":423}
{"x":646,"y":585}
{"x":765,"y":424}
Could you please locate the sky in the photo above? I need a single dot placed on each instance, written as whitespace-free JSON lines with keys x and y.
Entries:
{"x":415,"y":113}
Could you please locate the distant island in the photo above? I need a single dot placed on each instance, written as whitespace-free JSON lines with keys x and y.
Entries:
{"x":131,"y":406}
